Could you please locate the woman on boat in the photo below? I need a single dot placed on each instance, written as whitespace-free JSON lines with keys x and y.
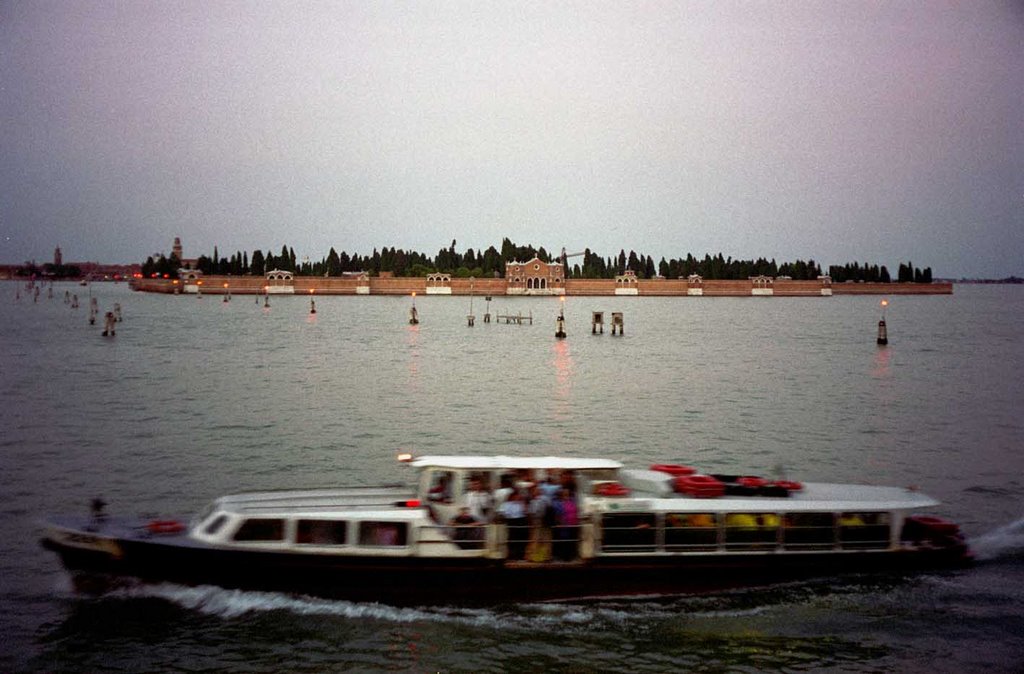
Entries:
{"x":566,"y":526}
{"x":541,"y":521}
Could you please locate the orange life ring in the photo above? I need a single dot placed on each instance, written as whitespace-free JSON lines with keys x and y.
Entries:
{"x":612,"y":489}
{"x":165,"y":527}
{"x":673,"y":469}
{"x":788,"y":485}
{"x":699,"y":486}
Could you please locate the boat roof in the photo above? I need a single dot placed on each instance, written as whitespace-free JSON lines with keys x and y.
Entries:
{"x":816,"y":493}
{"x":514,"y":463}
{"x":314,"y":501}
{"x":814,"y":497}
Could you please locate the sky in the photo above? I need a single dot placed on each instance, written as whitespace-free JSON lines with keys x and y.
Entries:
{"x":841,"y":131}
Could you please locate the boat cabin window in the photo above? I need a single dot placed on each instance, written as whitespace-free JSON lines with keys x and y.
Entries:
{"x":215,"y":524}
{"x":809,"y":531}
{"x":383,"y":534}
{"x":691,"y":531}
{"x":260,"y":529}
{"x":628,"y":532}
{"x":751,"y":530}
{"x":864,"y":531}
{"x":442,"y":483}
{"x":321,"y":532}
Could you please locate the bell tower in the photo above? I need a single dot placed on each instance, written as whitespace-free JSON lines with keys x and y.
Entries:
{"x":176,"y":249}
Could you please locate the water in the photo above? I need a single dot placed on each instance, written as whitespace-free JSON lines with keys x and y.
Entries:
{"x":196,"y":397}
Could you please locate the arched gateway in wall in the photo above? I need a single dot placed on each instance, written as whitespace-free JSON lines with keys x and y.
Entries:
{"x":280,"y":282}
{"x":439,"y":284}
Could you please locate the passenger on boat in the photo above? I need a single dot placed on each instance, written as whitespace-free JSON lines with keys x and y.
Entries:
{"x":468,"y":532}
{"x":541,"y":519}
{"x":550,"y":487}
{"x":524,"y":479}
{"x":513,"y":513}
{"x":502,"y":493}
{"x":479,"y":501}
{"x":567,"y":479}
{"x":566,"y":526}
{"x":441,"y":489}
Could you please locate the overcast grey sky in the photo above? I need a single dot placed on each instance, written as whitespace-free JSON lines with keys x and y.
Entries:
{"x":838,"y":130}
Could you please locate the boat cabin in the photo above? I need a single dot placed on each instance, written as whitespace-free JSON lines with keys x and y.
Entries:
{"x":445,"y":482}
{"x":620,"y":513}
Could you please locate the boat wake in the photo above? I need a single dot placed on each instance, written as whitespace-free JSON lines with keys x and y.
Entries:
{"x":228,"y":604}
{"x":606,"y":613}
{"x":1006,"y":542}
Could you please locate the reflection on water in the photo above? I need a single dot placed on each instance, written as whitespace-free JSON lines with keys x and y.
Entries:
{"x":562,"y":361}
{"x":882,"y":358}
{"x":413,"y":357}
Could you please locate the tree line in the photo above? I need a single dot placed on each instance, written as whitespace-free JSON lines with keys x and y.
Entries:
{"x":853,"y":271}
{"x":49,"y":270}
{"x":491,"y":263}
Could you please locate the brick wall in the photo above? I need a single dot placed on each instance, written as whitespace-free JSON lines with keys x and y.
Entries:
{"x":243,"y":285}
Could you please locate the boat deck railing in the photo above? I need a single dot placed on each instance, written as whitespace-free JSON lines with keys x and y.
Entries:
{"x":650,"y":533}
{"x":642,"y":533}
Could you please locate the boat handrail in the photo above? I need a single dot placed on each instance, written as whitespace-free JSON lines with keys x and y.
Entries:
{"x":490,"y":544}
{"x":320,"y":507}
{"x":648,"y":533}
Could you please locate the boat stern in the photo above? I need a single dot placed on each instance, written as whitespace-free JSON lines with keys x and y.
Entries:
{"x":937,"y":536}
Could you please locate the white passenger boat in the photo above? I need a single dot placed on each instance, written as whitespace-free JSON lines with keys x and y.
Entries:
{"x":598,"y":529}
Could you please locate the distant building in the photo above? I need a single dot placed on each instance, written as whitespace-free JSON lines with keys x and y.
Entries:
{"x":439,"y":284}
{"x":279,"y":277}
{"x":176,"y":250}
{"x":534,"y":277}
{"x":626,"y":283}
{"x":58,"y":258}
{"x":762,"y":285}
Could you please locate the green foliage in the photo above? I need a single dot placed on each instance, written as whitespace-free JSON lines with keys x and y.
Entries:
{"x":161,"y":267}
{"x":491,"y":262}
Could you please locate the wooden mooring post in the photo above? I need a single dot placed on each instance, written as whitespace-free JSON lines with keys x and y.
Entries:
{"x":617,"y":323}
{"x":883,"y":332}
{"x":108,"y":324}
{"x":597,"y":322}
{"x":414,"y":316}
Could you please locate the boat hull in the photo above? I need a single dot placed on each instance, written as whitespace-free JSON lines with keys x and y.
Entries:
{"x":98,"y":562}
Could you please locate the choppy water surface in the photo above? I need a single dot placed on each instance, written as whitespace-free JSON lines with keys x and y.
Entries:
{"x":197,"y":397}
